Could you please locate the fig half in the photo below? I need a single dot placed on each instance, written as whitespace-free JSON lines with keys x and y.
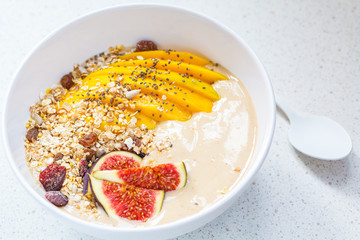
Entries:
{"x":167,"y":177}
{"x":126,"y":201}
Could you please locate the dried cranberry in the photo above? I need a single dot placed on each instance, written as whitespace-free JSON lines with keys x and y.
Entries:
{"x":53,"y":177}
{"x":56,"y":198}
{"x":58,"y":156}
{"x":88,"y":139}
{"x":145,"y":45}
{"x":67,"y":81}
{"x":32,"y":134}
{"x":90,"y":154}
{"x":83,"y":167}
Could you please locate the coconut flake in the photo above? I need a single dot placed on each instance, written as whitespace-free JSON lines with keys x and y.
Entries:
{"x":77,"y":198}
{"x":85,"y":88}
{"x":82,"y":69}
{"x":37,"y":118}
{"x":45,"y":102}
{"x":99,"y":153}
{"x":129,"y":142}
{"x":74,"y":189}
{"x":132,"y":93}
{"x":111,"y":84}
{"x":66,"y":106}
{"x":133,"y":120}
{"x":49,"y":160}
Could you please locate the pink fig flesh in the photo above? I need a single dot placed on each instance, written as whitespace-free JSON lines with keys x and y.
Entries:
{"x":127,"y":201}
{"x":167,"y":177}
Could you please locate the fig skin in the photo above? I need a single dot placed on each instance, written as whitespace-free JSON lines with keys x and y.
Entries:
{"x":92,"y":190}
{"x":87,"y":179}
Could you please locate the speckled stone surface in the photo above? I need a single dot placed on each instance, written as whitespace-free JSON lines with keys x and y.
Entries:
{"x":311,"y":50}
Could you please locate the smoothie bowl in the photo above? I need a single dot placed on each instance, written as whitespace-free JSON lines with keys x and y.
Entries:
{"x":139,"y":121}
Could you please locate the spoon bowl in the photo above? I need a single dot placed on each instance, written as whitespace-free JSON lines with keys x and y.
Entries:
{"x":317,"y":136}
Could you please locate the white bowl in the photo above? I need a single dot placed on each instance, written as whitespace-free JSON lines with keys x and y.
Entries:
{"x":170,"y":27}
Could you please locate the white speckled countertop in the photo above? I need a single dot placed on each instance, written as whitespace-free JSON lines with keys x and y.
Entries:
{"x":311,"y":50}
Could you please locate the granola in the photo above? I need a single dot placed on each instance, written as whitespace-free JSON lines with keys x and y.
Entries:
{"x":59,"y":131}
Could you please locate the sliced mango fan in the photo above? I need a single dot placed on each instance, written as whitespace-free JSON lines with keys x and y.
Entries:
{"x":160,"y":85}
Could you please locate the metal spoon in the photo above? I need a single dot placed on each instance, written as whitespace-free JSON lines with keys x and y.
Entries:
{"x":316,"y":136}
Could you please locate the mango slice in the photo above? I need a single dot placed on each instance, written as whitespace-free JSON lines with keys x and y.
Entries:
{"x":144,"y":120}
{"x":167,"y":55}
{"x":185,"y":98}
{"x":188,"y":70}
{"x":189,"y":100}
{"x":190,"y":83}
{"x":159,"y":109}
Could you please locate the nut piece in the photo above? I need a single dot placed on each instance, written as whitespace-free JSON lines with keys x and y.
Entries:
{"x":67,"y":81}
{"x":88,"y":139}
{"x":32,"y":134}
{"x":132,"y":93}
{"x":136,"y":141}
{"x":99,"y":153}
{"x":90,"y":154}
{"x":145,"y":45}
{"x":58,"y":156}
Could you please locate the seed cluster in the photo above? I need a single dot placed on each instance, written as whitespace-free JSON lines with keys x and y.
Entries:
{"x":118,"y":162}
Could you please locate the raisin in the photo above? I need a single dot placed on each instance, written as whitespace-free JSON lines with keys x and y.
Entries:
{"x":90,"y":154}
{"x":145,"y":45}
{"x":83,"y":167}
{"x":58,"y":156}
{"x":88,"y":139}
{"x":136,"y":141}
{"x":67,"y":81}
{"x":56,"y":198}
{"x":141,"y":154}
{"x":32,"y":134}
{"x":52,"y":177}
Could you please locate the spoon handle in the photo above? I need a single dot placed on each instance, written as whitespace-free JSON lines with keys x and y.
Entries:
{"x":286,"y":109}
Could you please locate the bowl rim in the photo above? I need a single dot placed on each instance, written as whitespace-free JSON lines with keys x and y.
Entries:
{"x":240,"y":186}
